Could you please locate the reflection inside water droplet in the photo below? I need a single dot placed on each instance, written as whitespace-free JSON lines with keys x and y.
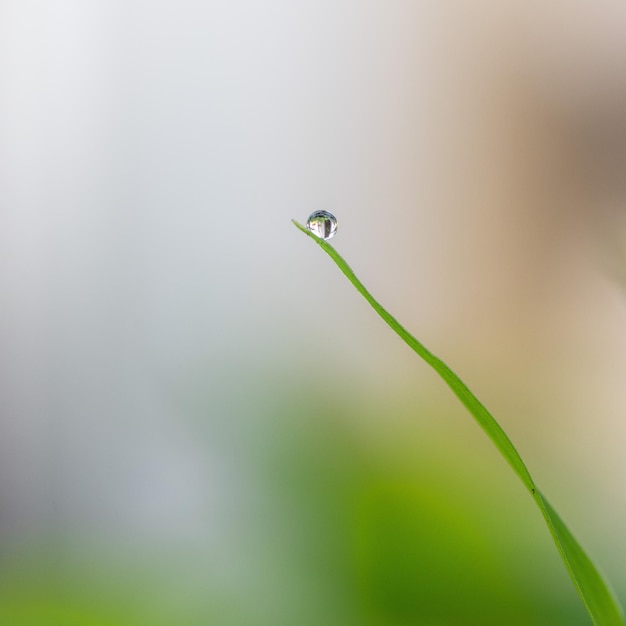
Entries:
{"x":323,"y":224}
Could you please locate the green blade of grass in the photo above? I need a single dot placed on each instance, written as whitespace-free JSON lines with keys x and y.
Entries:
{"x":594,"y":591}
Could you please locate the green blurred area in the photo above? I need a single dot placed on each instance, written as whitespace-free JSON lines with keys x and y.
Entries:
{"x":393,"y":524}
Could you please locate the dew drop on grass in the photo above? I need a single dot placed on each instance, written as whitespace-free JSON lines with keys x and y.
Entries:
{"x":323,"y":224}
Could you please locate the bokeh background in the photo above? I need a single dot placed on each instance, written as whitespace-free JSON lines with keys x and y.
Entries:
{"x":201,"y":422}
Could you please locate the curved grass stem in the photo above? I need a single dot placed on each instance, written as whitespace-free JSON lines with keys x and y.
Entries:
{"x":598,"y":598}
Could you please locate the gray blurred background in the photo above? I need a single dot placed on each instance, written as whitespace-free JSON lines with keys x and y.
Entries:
{"x":201,"y":422}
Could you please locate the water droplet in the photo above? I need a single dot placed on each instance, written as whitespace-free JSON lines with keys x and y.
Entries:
{"x":323,"y":224}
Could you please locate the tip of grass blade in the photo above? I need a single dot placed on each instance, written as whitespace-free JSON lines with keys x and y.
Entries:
{"x":304,"y":229}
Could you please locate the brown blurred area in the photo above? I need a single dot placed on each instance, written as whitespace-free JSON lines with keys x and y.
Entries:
{"x":529,"y":156}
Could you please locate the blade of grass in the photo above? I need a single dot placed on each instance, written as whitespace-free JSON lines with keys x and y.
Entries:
{"x":598,"y":598}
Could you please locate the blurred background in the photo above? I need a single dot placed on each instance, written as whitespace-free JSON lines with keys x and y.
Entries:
{"x":201,"y":422}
